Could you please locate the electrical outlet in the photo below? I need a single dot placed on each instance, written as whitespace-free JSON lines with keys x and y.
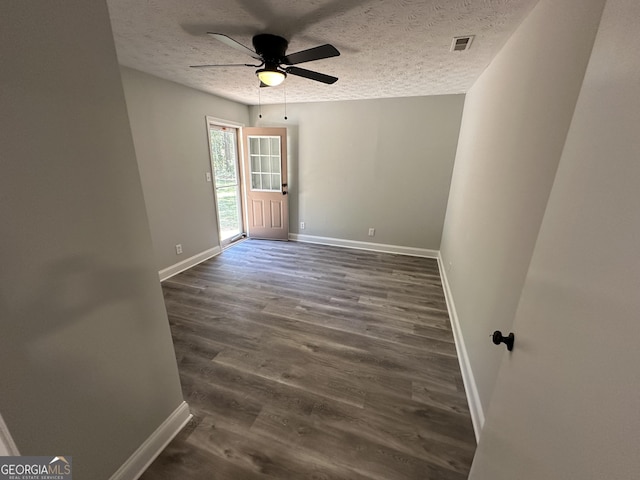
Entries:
{"x":179,"y":249}
{"x":208,"y":176}
{"x":302,"y":226}
{"x":372,"y":232}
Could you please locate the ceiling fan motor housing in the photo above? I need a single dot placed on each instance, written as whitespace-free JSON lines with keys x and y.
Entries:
{"x":272,"y":49}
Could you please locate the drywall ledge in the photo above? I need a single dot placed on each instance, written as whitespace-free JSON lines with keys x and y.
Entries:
{"x":7,"y":445}
{"x":473,"y":397}
{"x":186,"y":264}
{"x":146,"y":453}
{"x":375,"y":247}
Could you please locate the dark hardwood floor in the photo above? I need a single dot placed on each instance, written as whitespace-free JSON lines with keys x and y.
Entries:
{"x":306,"y":361}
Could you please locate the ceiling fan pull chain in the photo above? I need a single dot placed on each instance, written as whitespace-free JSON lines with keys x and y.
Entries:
{"x":285,"y":102}
{"x":259,"y":103}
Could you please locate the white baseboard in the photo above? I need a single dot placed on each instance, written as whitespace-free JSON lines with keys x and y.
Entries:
{"x":175,"y":269}
{"x":137,"y":463}
{"x":473,"y":397}
{"x":375,"y":247}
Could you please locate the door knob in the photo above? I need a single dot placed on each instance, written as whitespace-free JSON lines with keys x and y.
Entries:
{"x":498,"y":338}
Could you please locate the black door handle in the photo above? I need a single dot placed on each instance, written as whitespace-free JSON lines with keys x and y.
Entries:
{"x":498,"y":338}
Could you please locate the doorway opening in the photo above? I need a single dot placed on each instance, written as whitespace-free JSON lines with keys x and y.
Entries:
{"x":227,"y":181}
{"x":266,"y":184}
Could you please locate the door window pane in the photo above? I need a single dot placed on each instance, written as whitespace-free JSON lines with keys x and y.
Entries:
{"x":264,"y":152}
{"x":264,"y":162}
{"x":275,"y":146}
{"x":255,"y":163}
{"x":254,"y":145}
{"x":228,"y":211}
{"x":224,"y":155}
{"x":264,"y":146}
{"x":275,"y":181}
{"x":275,"y":164}
{"x":266,"y":181}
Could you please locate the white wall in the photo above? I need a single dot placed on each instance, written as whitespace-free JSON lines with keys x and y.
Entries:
{"x":371,"y":163}
{"x":170,"y":137}
{"x":352,"y":165}
{"x":566,"y":401}
{"x":86,"y":361}
{"x":515,"y":121}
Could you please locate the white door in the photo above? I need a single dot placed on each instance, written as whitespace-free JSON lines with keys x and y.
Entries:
{"x":265,"y":159}
{"x":566,"y":405}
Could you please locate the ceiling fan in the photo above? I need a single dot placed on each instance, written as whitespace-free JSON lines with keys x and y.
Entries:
{"x":275,"y":64}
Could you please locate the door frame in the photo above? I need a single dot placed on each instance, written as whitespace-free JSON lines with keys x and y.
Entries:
{"x":219,"y":122}
{"x":268,"y":233}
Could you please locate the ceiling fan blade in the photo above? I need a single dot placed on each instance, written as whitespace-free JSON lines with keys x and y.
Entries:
{"x":224,"y":65}
{"x":233,"y":44}
{"x":315,"y":53}
{"x":318,"y":77}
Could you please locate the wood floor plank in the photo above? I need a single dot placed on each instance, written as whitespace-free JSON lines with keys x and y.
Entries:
{"x":435,"y":396}
{"x":349,"y":448}
{"x":306,"y":361}
{"x":409,"y":438}
{"x":264,"y":456}
{"x":331,"y":383}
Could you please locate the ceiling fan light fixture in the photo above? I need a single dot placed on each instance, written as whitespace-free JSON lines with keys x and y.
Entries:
{"x":270,"y":77}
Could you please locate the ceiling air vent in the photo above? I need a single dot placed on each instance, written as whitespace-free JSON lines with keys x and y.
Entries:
{"x":460,"y":44}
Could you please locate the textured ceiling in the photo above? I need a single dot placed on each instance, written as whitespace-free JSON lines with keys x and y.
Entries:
{"x":389,"y":48}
